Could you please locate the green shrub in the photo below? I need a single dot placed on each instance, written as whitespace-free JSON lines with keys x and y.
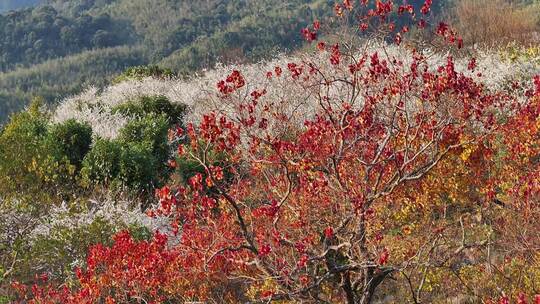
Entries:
{"x":101,"y":164}
{"x":30,"y":124}
{"x":59,"y":250}
{"x":139,"y":232}
{"x":73,"y":139}
{"x":31,"y":166}
{"x":137,"y":167}
{"x":157,"y":105}
{"x":151,"y":130}
{"x":122,"y":164}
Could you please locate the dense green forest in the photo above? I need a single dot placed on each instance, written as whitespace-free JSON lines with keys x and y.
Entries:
{"x":57,"y":48}
{"x":33,"y":35}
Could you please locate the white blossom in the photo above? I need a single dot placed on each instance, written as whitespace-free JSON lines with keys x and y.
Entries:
{"x":200,"y":94}
{"x":120,"y":213}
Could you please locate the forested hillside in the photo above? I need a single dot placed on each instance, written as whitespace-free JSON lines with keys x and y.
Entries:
{"x":59,"y":36}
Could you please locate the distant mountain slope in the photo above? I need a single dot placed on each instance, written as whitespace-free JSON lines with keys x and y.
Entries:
{"x":6,"y":5}
{"x":58,"y":78}
{"x":184,"y":35}
{"x":235,"y":27}
{"x":31,"y":36}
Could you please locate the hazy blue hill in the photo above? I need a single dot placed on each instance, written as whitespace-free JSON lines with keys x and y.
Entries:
{"x":6,"y":5}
